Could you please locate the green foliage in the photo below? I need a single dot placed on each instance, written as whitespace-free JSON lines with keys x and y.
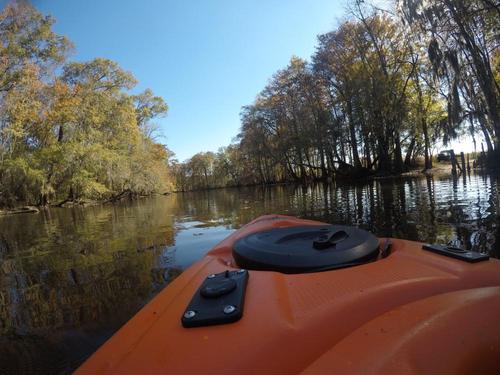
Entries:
{"x":75,"y":136}
{"x":20,"y":181}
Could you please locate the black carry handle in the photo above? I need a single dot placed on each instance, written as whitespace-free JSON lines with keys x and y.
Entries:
{"x":457,"y":253}
{"x":329,"y":239}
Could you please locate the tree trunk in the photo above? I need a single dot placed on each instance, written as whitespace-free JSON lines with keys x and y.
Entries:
{"x":60,"y":134}
{"x":352,"y":133}
{"x":427,"y":146}
{"x":384,"y":163}
{"x":398,"y":153}
{"x":409,"y":152}
{"x":484,"y":128}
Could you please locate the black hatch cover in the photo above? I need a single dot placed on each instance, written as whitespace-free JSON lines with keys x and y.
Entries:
{"x":306,"y":248}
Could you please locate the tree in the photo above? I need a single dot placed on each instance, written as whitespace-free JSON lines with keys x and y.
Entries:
{"x":462,"y":44}
{"x":382,"y":90}
{"x":72,"y":133}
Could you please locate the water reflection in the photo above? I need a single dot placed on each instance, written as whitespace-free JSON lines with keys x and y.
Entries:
{"x":70,"y":277}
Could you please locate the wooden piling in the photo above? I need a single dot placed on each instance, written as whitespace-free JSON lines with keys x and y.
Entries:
{"x":454,"y":163}
{"x":483,"y":156}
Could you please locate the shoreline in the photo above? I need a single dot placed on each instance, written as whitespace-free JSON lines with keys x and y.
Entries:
{"x":19,"y":210}
{"x":33,"y":209}
{"x":437,"y":171}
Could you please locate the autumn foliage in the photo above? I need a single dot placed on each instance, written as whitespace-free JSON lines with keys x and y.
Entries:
{"x":70,"y":131}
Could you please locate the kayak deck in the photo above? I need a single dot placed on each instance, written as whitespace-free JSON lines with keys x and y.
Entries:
{"x":393,"y":314}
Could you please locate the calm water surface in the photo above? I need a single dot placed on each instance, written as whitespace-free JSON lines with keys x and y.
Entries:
{"x":69,"y":278}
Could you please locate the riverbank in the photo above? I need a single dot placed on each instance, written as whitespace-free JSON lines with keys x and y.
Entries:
{"x":36,"y":209}
{"x":20,"y":210}
{"x":441,"y":170}
{"x":31,"y":209}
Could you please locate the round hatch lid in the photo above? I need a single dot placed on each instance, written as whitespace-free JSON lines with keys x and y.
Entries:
{"x":306,"y":248}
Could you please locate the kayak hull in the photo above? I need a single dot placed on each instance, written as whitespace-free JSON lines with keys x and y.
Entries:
{"x":381,"y":316}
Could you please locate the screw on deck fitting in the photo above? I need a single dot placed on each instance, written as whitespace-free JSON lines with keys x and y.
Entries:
{"x":211,"y":276}
{"x":189,"y":314}
{"x":229,"y":309}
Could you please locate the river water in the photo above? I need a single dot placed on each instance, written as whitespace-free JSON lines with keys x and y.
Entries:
{"x":69,"y":278}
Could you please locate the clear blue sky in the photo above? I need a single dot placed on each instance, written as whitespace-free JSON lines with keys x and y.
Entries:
{"x":206,"y":58}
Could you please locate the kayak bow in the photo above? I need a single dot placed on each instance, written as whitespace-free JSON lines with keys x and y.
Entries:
{"x":313,"y":299}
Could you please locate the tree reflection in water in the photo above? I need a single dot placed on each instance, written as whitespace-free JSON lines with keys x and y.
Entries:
{"x":69,"y":278}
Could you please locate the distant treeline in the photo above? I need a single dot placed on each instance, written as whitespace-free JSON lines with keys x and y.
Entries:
{"x":70,"y":130}
{"x":381,"y":90}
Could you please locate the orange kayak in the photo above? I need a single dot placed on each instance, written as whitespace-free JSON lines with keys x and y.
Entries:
{"x":289,"y":296}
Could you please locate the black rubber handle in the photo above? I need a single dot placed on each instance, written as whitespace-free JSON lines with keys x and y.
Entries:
{"x":329,"y":239}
